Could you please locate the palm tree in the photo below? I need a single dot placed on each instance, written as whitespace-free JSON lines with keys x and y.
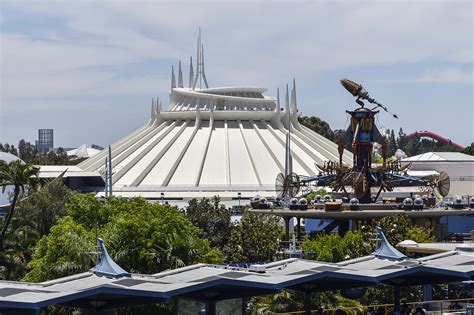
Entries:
{"x":20,"y":176}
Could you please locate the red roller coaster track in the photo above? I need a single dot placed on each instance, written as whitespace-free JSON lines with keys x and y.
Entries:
{"x":435,"y":136}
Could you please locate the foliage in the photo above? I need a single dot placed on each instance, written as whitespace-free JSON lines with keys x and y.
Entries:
{"x":212,"y":218}
{"x":253,"y":239}
{"x":21,"y":176}
{"x":35,"y":216}
{"x":43,"y":207}
{"x":68,"y":249}
{"x":399,"y":228}
{"x":8,"y":149}
{"x":469,"y":149}
{"x":153,"y":238}
{"x":320,"y":192}
{"x":140,"y":236}
{"x":318,"y":125}
{"x":334,"y":248}
{"x":292,"y":301}
{"x":29,"y":154}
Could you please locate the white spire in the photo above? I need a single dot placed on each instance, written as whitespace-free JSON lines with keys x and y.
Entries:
{"x":202,"y":66}
{"x":200,"y":74}
{"x":278,"y":108}
{"x":191,"y":72}
{"x":293,"y":97}
{"x":152,"y":115}
{"x":180,"y":76}
{"x":287,"y":100}
{"x":173,"y":79}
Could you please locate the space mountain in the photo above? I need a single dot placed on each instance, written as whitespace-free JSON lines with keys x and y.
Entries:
{"x":226,"y":141}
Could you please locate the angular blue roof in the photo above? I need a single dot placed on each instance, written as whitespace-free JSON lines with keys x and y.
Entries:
{"x":107,"y":267}
{"x":385,"y":249}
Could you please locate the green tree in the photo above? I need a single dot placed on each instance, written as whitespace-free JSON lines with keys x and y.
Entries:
{"x":141,"y":237}
{"x":334,"y":248}
{"x":254,"y":239}
{"x":401,"y":140}
{"x":43,"y":207}
{"x":392,"y":144}
{"x":318,"y":125}
{"x":469,"y":149}
{"x":21,"y":176}
{"x":35,"y":215}
{"x":212,"y":218}
{"x":153,"y":238}
{"x":68,"y":249}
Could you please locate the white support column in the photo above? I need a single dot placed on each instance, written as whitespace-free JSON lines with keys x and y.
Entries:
{"x":249,"y":153}
{"x":197,"y":125}
{"x":276,"y":120}
{"x":309,"y":170}
{"x":95,"y":162}
{"x":158,"y":157}
{"x":265,"y":144}
{"x":294,"y":108}
{"x":142,"y":153}
{"x":203,"y":158}
{"x":227,"y":155}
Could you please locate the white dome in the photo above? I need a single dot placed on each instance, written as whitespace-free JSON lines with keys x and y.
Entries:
{"x":8,"y":157}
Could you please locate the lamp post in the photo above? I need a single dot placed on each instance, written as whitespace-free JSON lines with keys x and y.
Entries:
{"x":239,"y":195}
{"x":162,"y":198}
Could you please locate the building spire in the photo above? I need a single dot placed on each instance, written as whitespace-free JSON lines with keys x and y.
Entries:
{"x":180,"y":76}
{"x":200,"y":65}
{"x":278,"y":108}
{"x":293,"y":97}
{"x":191,"y":72}
{"x":173,"y":78}
{"x":287,"y":100}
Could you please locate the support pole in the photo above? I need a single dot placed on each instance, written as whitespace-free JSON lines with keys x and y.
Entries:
{"x":211,"y":307}
{"x":307,"y":303}
{"x":287,"y":229}
{"x":298,"y":229}
{"x":427,"y":293}
{"x":396,"y":300}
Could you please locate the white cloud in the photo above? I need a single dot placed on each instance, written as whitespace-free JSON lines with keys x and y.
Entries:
{"x":247,"y":43}
{"x":448,"y":75}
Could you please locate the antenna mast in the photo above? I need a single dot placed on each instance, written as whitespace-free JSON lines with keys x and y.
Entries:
{"x":200,"y":64}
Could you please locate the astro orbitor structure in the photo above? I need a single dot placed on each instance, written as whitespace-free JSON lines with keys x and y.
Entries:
{"x":362,"y":175}
{"x":213,"y":141}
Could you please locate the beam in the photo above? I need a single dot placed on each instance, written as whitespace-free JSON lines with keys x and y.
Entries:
{"x":181,"y":155}
{"x":293,"y":154}
{"x":142,"y":153}
{"x":265,"y":144}
{"x":249,"y":153}
{"x":203,"y":158}
{"x":158,"y":157}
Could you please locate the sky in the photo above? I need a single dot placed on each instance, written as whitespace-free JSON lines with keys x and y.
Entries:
{"x":89,"y":69}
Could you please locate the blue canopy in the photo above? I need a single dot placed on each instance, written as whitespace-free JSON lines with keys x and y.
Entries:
{"x":385,"y":249}
{"x":106,"y":266}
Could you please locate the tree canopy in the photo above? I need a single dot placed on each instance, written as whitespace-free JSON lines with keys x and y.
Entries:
{"x":254,"y":239}
{"x":140,"y":236}
{"x":212,"y":218}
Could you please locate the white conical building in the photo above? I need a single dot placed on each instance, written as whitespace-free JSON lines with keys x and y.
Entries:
{"x":213,"y":141}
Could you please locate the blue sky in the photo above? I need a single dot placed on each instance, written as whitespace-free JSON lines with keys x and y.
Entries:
{"x":89,"y":69}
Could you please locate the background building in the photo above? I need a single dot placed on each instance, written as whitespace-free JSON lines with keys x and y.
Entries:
{"x":45,"y":141}
{"x":459,"y":166}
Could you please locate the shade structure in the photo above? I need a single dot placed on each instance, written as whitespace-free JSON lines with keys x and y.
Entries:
{"x":213,"y":282}
{"x":214,"y":141}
